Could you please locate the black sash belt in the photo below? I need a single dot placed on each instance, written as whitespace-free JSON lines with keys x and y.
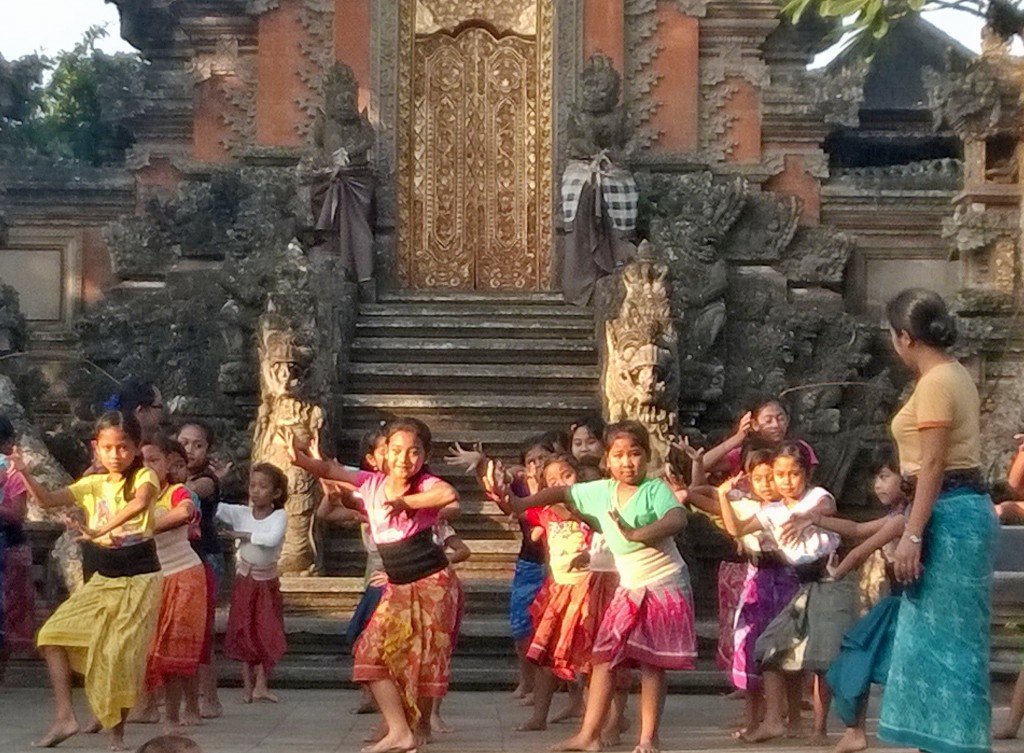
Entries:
{"x":969,"y":478}
{"x":412,"y":559}
{"x":124,"y":561}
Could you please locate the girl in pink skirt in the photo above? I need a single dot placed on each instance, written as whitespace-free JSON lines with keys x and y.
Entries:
{"x":650,"y":622}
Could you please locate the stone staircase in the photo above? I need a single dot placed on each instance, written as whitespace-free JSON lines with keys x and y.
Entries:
{"x":493,"y":369}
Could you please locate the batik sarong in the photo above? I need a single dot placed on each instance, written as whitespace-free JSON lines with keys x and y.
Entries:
{"x":938,"y":695}
{"x":731,"y":578}
{"x":566,"y":625}
{"x":766,"y":592}
{"x":255,"y":633}
{"x":177,"y":646}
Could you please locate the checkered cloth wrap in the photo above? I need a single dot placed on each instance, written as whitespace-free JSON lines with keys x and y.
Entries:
{"x":615,"y":186}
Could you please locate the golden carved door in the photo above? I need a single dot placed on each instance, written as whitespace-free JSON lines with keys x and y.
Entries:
{"x":475,"y":201}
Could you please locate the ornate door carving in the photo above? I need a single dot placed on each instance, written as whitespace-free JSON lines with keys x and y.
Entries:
{"x":475,"y":200}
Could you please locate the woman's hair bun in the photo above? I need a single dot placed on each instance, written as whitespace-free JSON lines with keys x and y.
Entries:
{"x":941,"y":332}
{"x":924,"y":316}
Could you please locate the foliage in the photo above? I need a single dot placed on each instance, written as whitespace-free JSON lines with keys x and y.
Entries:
{"x":82,"y":112}
{"x":867,"y":21}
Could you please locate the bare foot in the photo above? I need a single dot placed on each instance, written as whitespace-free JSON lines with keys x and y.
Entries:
{"x":797,"y":730}
{"x":572,"y":711}
{"x":439,"y":726}
{"x":144,"y":715}
{"x":93,"y":727}
{"x":519,"y":692}
{"x":172,"y":727}
{"x":210,"y":709}
{"x":264,"y":695}
{"x":652,"y":746}
{"x":736,"y":695}
{"x":577,"y":743}
{"x":191,"y":718}
{"x":610,"y":738}
{"x":376,"y":734}
{"x":246,"y":697}
{"x":117,"y":739}
{"x":817,"y":739}
{"x":392,"y":744}
{"x":58,"y":733}
{"x":766,"y":732}
{"x":852,"y":741}
{"x":533,"y":724}
{"x":1004,"y":733}
{"x":526,"y":700}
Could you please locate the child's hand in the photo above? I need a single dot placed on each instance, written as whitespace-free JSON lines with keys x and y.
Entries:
{"x":793,"y":528}
{"x":536,"y":533}
{"x":674,"y":480}
{"x":1019,"y":439}
{"x":731,"y":483}
{"x":397,"y":506}
{"x":468,"y":460}
{"x":695,"y":454}
{"x":17,"y":461}
{"x":240,"y":535}
{"x":746,"y":425}
{"x":297,"y":450}
{"x":221,"y":467}
{"x":627,"y":533}
{"x":495,"y":484}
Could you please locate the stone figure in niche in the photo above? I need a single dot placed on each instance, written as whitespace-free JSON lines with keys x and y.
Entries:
{"x":599,"y":195}
{"x":641,"y":374}
{"x":234,"y":377}
{"x":344,"y":183}
{"x":286,"y":412}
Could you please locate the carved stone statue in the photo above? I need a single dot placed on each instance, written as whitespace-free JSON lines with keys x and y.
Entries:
{"x":641,"y":372}
{"x":599,"y":196}
{"x":343,"y":184}
{"x":234,"y":376}
{"x":286,"y":412}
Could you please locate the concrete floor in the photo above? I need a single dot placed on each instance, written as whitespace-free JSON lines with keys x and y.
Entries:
{"x":319,"y":721}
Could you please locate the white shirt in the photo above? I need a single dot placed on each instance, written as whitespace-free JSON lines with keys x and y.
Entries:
{"x":601,"y":558}
{"x":813,"y":544}
{"x":266,"y":534}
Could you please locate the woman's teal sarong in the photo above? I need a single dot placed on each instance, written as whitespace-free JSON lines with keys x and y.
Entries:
{"x":937,"y":697}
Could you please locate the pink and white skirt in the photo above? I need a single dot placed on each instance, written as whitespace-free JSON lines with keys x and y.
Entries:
{"x":649,"y":626}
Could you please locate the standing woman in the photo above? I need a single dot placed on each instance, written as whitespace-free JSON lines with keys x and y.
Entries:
{"x":937,"y":698}
{"x":104,"y":628}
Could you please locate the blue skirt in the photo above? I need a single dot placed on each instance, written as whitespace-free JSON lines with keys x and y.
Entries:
{"x":364,"y":611}
{"x":864,"y":658}
{"x":937,"y":697}
{"x":527,"y":581}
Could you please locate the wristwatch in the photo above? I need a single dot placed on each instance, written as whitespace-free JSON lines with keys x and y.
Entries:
{"x":914,"y":539}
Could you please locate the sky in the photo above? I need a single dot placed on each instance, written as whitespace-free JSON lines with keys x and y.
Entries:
{"x":52,"y":25}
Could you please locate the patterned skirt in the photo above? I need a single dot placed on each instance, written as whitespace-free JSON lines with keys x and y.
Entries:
{"x":255,"y":633}
{"x":210,"y":575}
{"x":177,"y":645}
{"x":526,"y":584}
{"x":409,"y":639}
{"x":731,"y":579}
{"x":19,"y":600}
{"x":106,"y":627}
{"x":567,"y":622}
{"x":649,"y":626}
{"x":938,"y":696}
{"x":364,"y":611}
{"x":766,"y":592}
{"x":807,"y":633}
{"x":864,"y":659}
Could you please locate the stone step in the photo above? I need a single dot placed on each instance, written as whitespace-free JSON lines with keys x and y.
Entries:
{"x":471,"y":327}
{"x":478,"y":401}
{"x":488,"y":309}
{"x":338,"y":596}
{"x":474,"y":377}
{"x":505,"y":443}
{"x":458,"y":297}
{"x":471,"y":351}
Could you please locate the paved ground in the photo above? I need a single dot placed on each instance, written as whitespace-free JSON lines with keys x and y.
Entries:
{"x":319,"y":721}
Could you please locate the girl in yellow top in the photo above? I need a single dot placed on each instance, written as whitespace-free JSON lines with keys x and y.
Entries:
{"x":103,"y":630}
{"x":937,"y":698}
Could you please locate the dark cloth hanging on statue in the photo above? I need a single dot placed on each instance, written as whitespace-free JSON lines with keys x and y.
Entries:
{"x":346,"y":205}
{"x":593,"y":248}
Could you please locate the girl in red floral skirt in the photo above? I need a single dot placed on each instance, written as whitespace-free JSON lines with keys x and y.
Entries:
{"x":255,"y":634}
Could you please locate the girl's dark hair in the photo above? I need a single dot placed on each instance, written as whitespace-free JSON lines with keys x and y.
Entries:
{"x":166,"y":445}
{"x":368,"y":442}
{"x":208,"y":432}
{"x":552,"y":442}
{"x":562,"y":457}
{"x":797,"y":452}
{"x":923,"y":315}
{"x":757,"y":456}
{"x":414,"y":426}
{"x":592,"y":422}
{"x":134,"y":393}
{"x":882,"y":458}
{"x":760,"y":402}
{"x":277,"y":479}
{"x":126,"y":422}
{"x":7,"y":431}
{"x":632,"y":429}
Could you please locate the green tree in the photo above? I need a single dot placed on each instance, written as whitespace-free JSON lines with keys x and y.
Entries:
{"x":82,"y":111}
{"x":867,"y":21}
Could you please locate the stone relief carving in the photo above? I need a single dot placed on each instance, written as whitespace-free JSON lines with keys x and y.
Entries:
{"x":641,"y":376}
{"x":342,"y":133}
{"x":290,"y":392}
{"x":980,"y":101}
{"x":517,"y":16}
{"x":597,"y":122}
{"x":316,"y":17}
